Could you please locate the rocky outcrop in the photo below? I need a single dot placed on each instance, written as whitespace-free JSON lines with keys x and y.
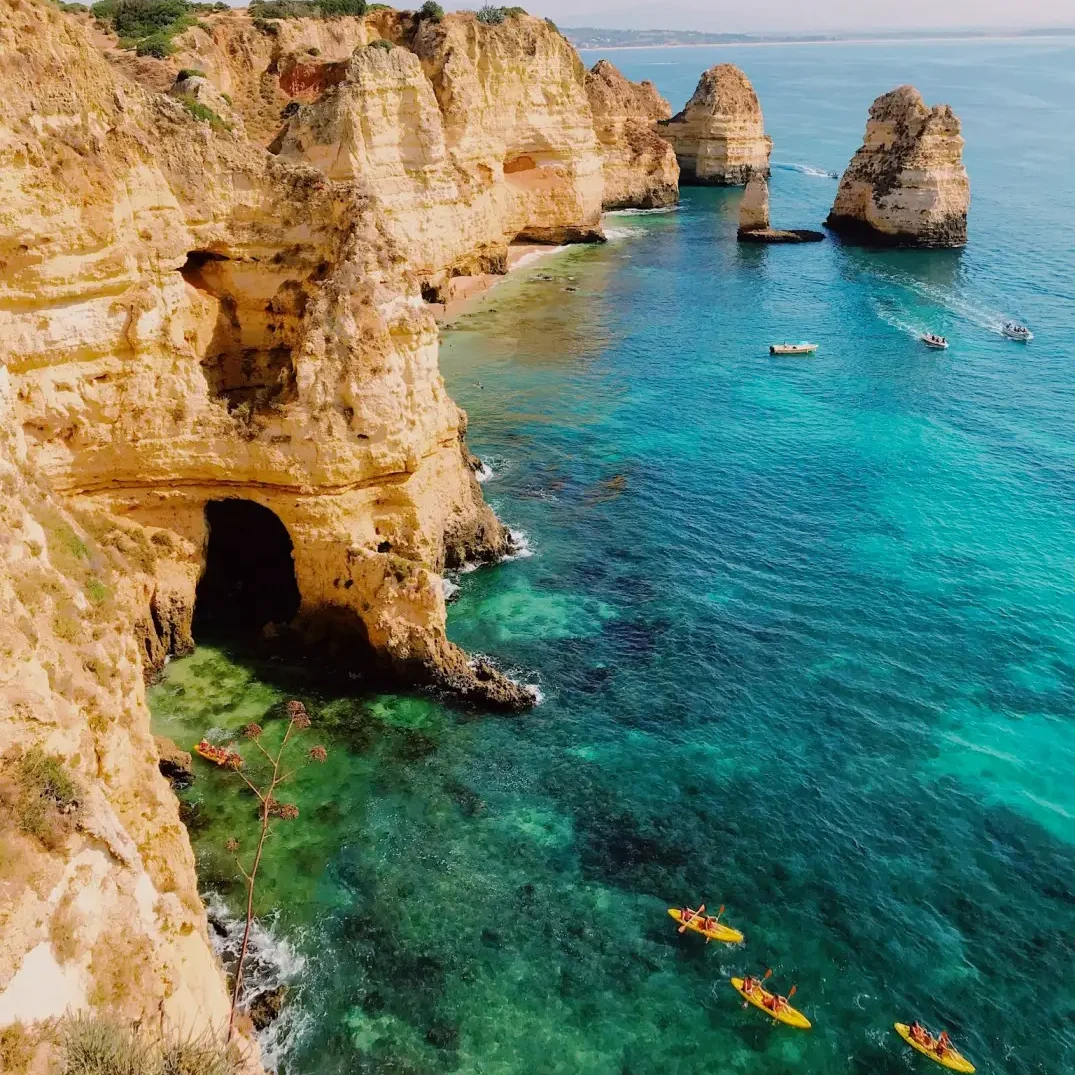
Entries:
{"x":906,"y":185}
{"x":640,"y":168}
{"x":754,"y":219}
{"x":719,"y":137}
{"x":471,"y":137}
{"x":175,"y":764}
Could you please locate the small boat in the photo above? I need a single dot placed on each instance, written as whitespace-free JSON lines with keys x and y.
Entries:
{"x":231,"y":759}
{"x":938,"y":343}
{"x":758,"y":997}
{"x":951,"y":1058}
{"x":1014,"y":331}
{"x":792,"y":348}
{"x":718,"y":932}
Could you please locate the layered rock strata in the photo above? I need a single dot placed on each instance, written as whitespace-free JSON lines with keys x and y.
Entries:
{"x":906,"y":185}
{"x":754,"y":219}
{"x":719,"y":138}
{"x":470,"y":138}
{"x":640,"y":168}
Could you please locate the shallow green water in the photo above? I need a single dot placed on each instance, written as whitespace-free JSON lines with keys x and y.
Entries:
{"x":805,"y":632}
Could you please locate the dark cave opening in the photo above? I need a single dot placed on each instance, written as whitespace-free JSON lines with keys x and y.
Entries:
{"x":249,"y":578}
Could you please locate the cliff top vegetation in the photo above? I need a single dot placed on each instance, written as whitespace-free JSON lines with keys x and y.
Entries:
{"x":148,"y":26}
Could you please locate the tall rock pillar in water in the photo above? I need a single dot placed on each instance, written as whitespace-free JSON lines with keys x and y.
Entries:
{"x":906,"y":185}
{"x":719,"y":137}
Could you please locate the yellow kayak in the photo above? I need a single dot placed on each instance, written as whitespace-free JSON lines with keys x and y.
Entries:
{"x":719,"y":932}
{"x":952,"y":1059}
{"x":757,"y":997}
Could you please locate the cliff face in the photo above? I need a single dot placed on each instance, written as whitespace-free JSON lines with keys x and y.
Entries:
{"x":906,"y":185}
{"x":640,"y":167}
{"x":469,"y":138}
{"x":184,"y":320}
{"x":719,"y":137}
{"x":99,"y":906}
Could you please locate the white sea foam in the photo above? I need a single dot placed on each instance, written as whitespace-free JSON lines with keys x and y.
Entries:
{"x":536,"y":255}
{"x":484,"y":472}
{"x":271,"y":961}
{"x":614,"y":235}
{"x":521,"y":548}
{"x":450,"y":588}
{"x":643,"y":212}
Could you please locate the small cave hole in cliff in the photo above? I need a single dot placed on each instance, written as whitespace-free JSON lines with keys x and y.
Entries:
{"x":249,"y":579}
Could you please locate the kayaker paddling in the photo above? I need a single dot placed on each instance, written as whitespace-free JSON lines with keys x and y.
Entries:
{"x":939,"y":1049}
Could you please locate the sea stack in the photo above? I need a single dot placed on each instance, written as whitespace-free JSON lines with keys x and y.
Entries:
{"x":754,"y":219}
{"x":720,"y":138}
{"x":639,"y":166}
{"x":906,"y":186}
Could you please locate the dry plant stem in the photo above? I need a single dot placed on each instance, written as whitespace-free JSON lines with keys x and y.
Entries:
{"x":266,"y":799}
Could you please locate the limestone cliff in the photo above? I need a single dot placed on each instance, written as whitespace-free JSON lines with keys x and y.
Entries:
{"x":719,"y":137}
{"x":906,"y":185}
{"x":99,"y":906}
{"x":184,"y":320}
{"x":471,"y":137}
{"x":640,"y":167}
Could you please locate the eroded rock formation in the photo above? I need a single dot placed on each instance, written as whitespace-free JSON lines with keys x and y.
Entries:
{"x":640,"y":167}
{"x":719,"y":137}
{"x":754,"y":219}
{"x":906,"y":185}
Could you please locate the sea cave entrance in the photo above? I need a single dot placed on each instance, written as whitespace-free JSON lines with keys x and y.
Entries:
{"x":249,"y":578}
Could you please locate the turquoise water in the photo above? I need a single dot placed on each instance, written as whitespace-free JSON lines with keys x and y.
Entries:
{"x":805,"y":631}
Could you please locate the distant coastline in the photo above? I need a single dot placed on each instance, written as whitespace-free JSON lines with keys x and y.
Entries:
{"x":586,"y":37}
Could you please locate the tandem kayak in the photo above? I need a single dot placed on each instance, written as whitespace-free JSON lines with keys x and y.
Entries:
{"x":952,"y":1059}
{"x":757,"y":997}
{"x":719,"y":933}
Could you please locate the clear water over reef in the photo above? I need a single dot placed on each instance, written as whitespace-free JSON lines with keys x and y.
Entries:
{"x":805,"y":631}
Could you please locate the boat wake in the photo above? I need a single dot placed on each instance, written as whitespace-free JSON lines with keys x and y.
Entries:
{"x":271,"y":962}
{"x":894,"y":320}
{"x":807,"y":169}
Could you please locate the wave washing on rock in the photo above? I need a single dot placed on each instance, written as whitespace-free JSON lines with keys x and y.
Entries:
{"x":271,"y":968}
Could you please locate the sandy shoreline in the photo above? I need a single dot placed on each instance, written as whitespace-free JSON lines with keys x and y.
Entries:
{"x":465,"y":289}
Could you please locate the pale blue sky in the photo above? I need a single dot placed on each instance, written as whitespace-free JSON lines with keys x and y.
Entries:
{"x":735,"y":16}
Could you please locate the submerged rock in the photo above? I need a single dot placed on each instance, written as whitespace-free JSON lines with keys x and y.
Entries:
{"x":906,"y":185}
{"x":719,"y":137}
{"x":640,"y":167}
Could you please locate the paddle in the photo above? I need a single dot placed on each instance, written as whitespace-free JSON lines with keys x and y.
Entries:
{"x":690,"y":917}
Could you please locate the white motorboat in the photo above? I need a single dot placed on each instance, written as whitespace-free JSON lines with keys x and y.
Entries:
{"x":938,"y":343}
{"x":1014,"y":331}
{"x":792,"y":348}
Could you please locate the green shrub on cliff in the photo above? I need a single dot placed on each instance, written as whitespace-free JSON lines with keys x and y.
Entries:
{"x":148,"y":26}
{"x":189,"y":72}
{"x":42,"y":795}
{"x":307,"y":9}
{"x":380,"y":43}
{"x":492,"y":16}
{"x":431,"y":10}
{"x":204,"y":113}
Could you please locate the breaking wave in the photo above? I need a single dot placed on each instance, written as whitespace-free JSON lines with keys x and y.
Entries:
{"x":271,"y":962}
{"x":807,"y":169}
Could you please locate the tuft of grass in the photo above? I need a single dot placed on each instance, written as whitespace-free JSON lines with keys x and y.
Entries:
{"x":46,"y":795}
{"x":96,"y":590}
{"x":204,"y":114}
{"x":93,"y":1046}
{"x":16,"y":1045}
{"x":380,"y":43}
{"x":189,"y":72}
{"x":67,"y":626}
{"x":90,"y":1046}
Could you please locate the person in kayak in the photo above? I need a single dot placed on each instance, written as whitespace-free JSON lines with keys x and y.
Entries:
{"x":943,"y":1044}
{"x":919,"y":1033}
{"x":749,"y":985}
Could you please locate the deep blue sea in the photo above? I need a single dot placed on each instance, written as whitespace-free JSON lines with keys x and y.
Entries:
{"x":804,"y":628}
